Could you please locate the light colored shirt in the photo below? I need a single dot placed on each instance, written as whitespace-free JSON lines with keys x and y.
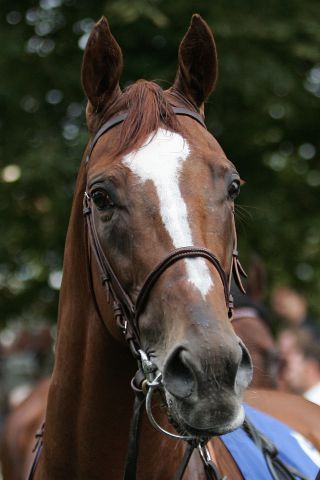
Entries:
{"x":313,"y":394}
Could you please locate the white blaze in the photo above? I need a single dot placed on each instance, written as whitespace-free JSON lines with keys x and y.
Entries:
{"x":160,"y":160}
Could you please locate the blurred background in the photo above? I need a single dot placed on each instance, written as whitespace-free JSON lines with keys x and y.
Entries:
{"x":265,"y":113}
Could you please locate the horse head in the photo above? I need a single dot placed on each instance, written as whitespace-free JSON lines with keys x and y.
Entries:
{"x":160,"y":195}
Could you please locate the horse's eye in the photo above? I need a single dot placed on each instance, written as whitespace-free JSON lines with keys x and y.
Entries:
{"x":234,"y":189}
{"x":101,"y":200}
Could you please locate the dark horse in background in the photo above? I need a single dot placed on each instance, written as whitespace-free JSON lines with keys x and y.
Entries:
{"x":252,"y":323}
{"x":153,"y":256}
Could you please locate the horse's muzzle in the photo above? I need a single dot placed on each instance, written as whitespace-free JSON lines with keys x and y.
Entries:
{"x":205,"y":395}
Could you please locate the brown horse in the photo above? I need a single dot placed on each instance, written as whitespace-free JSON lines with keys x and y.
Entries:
{"x":18,"y":439}
{"x":251,"y":322}
{"x":157,"y":193}
{"x":18,"y":436}
{"x":257,"y":337}
{"x":22,"y":423}
{"x":142,"y":179}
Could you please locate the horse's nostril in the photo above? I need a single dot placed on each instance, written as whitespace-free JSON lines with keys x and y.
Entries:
{"x":178,"y":377}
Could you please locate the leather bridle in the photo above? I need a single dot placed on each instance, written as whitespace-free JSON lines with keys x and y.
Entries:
{"x":127,"y":312}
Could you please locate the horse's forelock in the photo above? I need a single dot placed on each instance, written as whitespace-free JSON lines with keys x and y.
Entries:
{"x":148,"y":110}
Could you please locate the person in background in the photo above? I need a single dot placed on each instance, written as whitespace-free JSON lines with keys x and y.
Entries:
{"x":300,"y":362}
{"x":290,"y":307}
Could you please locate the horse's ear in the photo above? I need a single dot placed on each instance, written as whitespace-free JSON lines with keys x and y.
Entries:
{"x":101,"y":66}
{"x":198,"y":65}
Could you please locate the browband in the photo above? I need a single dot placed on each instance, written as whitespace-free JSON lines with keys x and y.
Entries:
{"x":119,"y":118}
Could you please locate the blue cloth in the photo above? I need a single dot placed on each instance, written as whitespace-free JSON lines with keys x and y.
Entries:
{"x":251,"y":461}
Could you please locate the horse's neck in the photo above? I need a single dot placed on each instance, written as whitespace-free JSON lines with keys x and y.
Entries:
{"x":90,"y":404}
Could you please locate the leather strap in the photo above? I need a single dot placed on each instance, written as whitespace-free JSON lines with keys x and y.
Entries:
{"x":112,"y":122}
{"x":108,"y":277}
{"x":185,"y":461}
{"x":279,"y":470}
{"x":121,"y":117}
{"x":190,"y":113}
{"x":37,"y":451}
{"x":170,"y":259}
{"x":133,"y":441}
{"x":130,"y":471}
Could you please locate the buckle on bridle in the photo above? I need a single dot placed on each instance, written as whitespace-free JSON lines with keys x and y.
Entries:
{"x":148,"y":367}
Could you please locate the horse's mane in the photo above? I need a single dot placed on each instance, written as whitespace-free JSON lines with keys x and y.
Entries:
{"x":148,"y":109}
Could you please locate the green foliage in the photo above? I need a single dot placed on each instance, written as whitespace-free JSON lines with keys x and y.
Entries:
{"x":265,"y":113}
